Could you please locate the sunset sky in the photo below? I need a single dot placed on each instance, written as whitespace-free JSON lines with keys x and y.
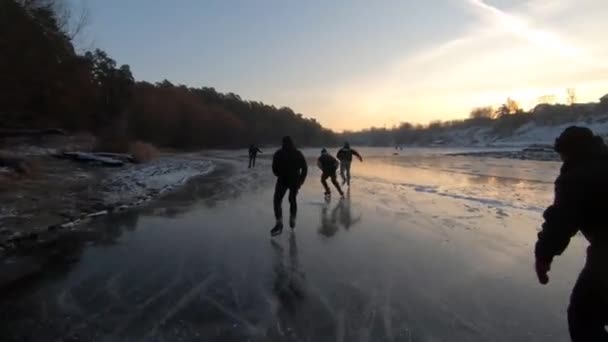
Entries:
{"x":357,"y":63}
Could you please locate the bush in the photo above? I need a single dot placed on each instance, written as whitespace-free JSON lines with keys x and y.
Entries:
{"x":143,"y":152}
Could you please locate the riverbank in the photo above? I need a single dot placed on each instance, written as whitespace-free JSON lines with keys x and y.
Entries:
{"x":58,"y":194}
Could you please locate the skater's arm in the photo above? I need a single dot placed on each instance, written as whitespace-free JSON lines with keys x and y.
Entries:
{"x":275,"y":164}
{"x":562,"y":219}
{"x":357,"y":154}
{"x":259,"y":151}
{"x":303,"y":168}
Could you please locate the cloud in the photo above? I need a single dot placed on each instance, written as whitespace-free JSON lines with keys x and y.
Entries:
{"x":520,"y":27}
{"x":516,"y":53}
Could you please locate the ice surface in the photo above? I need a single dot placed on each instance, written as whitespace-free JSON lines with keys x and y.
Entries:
{"x":426,"y":247}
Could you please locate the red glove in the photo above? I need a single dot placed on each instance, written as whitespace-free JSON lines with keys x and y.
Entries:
{"x":542,"y":268}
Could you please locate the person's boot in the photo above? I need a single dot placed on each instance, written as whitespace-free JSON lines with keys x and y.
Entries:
{"x":277,"y":230}
{"x":292,"y":221}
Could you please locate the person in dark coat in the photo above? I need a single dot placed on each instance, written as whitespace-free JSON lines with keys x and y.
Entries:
{"x":345,"y":156}
{"x":290,"y":168}
{"x":253,"y":154}
{"x":329,"y":168}
{"x":581,"y":204}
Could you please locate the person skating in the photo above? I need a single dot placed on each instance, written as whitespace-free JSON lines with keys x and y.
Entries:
{"x":345,"y":156}
{"x":329,"y":167}
{"x":581,"y":202}
{"x":253,"y":154}
{"x":290,"y":168}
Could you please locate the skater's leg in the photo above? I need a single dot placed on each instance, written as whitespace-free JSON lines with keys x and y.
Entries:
{"x":334,"y":180}
{"x":250,"y":162}
{"x":347,"y":166}
{"x":253,"y":160}
{"x":279,"y":193}
{"x":587,"y":310}
{"x":342,"y":171}
{"x":324,"y":182}
{"x":293,"y":204}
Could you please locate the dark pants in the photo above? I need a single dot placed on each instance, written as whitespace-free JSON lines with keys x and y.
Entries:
{"x":280,"y":190}
{"x":252,"y":160}
{"x":345,"y":171}
{"x":332,"y":175}
{"x":588,"y":311}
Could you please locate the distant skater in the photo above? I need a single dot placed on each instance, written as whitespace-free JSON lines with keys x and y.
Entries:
{"x":290,"y":168}
{"x":581,"y":201}
{"x":345,"y":156}
{"x":329,"y":168}
{"x":253,"y":154}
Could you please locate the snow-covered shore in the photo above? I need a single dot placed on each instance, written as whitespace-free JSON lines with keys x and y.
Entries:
{"x":524,"y":136}
{"x":66,"y":194}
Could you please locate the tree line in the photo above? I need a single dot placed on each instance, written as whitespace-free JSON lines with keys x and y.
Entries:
{"x":47,"y":83}
{"x":500,"y":122}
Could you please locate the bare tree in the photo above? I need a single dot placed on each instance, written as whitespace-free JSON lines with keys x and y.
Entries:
{"x":571,"y":96}
{"x":513,"y":106}
{"x":546,"y":99}
{"x":508,"y":108}
{"x":70,"y":24}
{"x":482,"y":113}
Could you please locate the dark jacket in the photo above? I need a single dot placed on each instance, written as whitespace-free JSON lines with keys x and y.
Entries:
{"x":327,"y":163}
{"x":254,"y":150}
{"x":581,"y":203}
{"x":346,"y":154}
{"x":289,"y":165}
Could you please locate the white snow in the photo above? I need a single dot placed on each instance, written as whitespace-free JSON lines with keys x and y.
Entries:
{"x":526,"y":135}
{"x":532,"y":134}
{"x":160,"y":175}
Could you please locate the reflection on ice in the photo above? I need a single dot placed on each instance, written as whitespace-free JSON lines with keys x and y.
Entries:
{"x":340,"y":215}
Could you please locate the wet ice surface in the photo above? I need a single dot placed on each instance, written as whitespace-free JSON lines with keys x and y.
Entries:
{"x":426,"y":248}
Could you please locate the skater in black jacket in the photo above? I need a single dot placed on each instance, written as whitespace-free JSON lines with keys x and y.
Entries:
{"x":290,"y":168}
{"x":345,"y":156}
{"x":253,"y":154}
{"x":581,"y":204}
{"x":329,"y":168}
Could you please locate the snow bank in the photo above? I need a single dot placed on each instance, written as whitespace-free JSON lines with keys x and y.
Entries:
{"x":142,"y":181}
{"x":526,"y":135}
{"x":530,"y":133}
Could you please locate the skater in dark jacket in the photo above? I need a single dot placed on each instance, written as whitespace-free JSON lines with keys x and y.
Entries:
{"x":290,"y":168}
{"x":345,"y":156}
{"x":253,"y":154}
{"x":581,"y":204}
{"x":329,"y":167}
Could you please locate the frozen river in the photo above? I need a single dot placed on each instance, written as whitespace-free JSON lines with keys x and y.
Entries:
{"x":426,"y":247}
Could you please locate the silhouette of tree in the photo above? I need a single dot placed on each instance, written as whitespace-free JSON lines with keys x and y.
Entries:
{"x":571,"y":92}
{"x":482,"y":113}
